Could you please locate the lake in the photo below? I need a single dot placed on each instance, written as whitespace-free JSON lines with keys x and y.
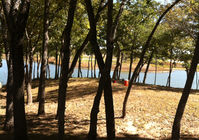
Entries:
{"x":178,"y":77}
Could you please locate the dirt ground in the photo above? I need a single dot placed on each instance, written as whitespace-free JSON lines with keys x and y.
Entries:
{"x":150,"y":112}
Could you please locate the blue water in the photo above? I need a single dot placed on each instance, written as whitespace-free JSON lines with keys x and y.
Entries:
{"x":178,"y":77}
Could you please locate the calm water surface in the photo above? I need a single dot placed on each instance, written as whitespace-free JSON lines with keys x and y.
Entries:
{"x":178,"y":77}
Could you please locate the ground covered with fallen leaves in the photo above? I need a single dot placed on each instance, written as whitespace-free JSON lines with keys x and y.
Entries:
{"x":150,"y":112}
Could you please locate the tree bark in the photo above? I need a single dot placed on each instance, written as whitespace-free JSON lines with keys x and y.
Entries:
{"x":42,"y":80}
{"x":79,"y":68}
{"x":88,"y":70}
{"x":59,"y":67}
{"x":56,"y":65}
{"x":29,"y":56}
{"x":145,"y":48}
{"x":38,"y":63}
{"x":9,"y":121}
{"x":16,"y":33}
{"x":95,"y":68}
{"x":185,"y":94}
{"x":63,"y":84}
{"x":91,"y":66}
{"x":130,"y":65}
{"x":105,"y":67}
{"x":121,"y":61}
{"x":155,"y":70}
{"x":147,"y":67}
{"x":170,"y":69}
{"x":116,"y":71}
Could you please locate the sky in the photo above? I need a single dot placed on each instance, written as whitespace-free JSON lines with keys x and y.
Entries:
{"x":164,"y":1}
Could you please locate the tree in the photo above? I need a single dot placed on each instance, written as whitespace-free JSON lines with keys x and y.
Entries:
{"x":185,"y":94}
{"x":16,"y":14}
{"x":9,"y":121}
{"x":105,"y":80}
{"x":144,"y":50}
{"x":41,"y":92}
{"x":65,"y":68}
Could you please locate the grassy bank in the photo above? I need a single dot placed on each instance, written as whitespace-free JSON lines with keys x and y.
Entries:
{"x":150,"y":112}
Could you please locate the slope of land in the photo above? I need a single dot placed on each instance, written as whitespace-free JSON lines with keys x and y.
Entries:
{"x":150,"y":112}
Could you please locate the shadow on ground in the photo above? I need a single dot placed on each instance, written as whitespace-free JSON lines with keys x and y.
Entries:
{"x":84,"y":137}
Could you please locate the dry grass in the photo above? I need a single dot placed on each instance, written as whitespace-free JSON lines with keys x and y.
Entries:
{"x":150,"y":112}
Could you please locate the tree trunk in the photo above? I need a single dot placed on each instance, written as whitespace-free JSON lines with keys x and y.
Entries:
{"x":121,"y":61}
{"x":29,"y":87}
{"x":16,"y":33}
{"x":59,"y":67}
{"x":130,"y":65}
{"x":91,"y":66}
{"x":63,"y":84}
{"x":92,"y":135}
{"x":48,"y":67}
{"x":105,"y":68}
{"x":148,"y":64}
{"x":95,"y":68}
{"x":170,"y":69}
{"x":18,"y":87}
{"x":145,"y":48}
{"x":38,"y":63}
{"x":116,"y":71}
{"x":155,"y":70}
{"x":56,"y":65}
{"x":29,"y":56}
{"x":185,"y":94}
{"x":9,"y":120}
{"x":42,"y":80}
{"x":34,"y":68}
{"x":88,"y":70}
{"x":79,"y":68}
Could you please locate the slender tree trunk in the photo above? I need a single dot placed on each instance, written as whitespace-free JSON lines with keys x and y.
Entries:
{"x":9,"y":120}
{"x":41,"y":92}
{"x":56,"y":65}
{"x":65,"y":69}
{"x":170,"y":69}
{"x":91,"y":66}
{"x":185,"y":94}
{"x":155,"y":70}
{"x":34,"y":68}
{"x":95,"y":68}
{"x":147,"y":67}
{"x":79,"y":68}
{"x":38,"y":63}
{"x":121,"y":61}
{"x":59,"y":66}
{"x":29,"y":56}
{"x":116,"y":71}
{"x":48,"y":67}
{"x":105,"y":68}
{"x":88,"y":70}
{"x":29,"y":87}
{"x":145,"y":48}
{"x":92,"y":135}
{"x":130,"y":65}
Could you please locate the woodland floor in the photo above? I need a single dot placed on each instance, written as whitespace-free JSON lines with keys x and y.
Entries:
{"x":150,"y":112}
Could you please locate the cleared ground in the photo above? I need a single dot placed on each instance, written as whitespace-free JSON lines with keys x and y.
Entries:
{"x":150,"y":112}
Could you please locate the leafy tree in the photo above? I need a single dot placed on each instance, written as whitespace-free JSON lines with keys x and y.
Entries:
{"x":16,"y":14}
